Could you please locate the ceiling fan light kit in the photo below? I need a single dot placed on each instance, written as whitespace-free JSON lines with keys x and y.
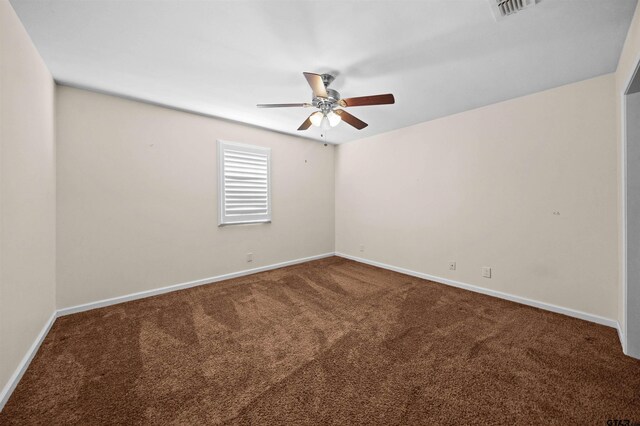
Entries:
{"x":328,"y":101}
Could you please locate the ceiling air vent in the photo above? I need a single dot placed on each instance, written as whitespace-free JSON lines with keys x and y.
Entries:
{"x":504,"y":8}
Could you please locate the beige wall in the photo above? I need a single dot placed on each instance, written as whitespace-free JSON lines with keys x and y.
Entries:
{"x":137,"y":187}
{"x":27,"y":193}
{"x":137,"y":196}
{"x":481,"y":188}
{"x":626,"y":66}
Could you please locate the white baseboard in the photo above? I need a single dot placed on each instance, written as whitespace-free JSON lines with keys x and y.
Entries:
{"x":621,"y":337}
{"x":182,"y":286}
{"x":24,"y":363}
{"x":537,"y":304}
{"x":22,"y":367}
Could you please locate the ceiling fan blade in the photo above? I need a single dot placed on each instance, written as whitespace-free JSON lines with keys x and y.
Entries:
{"x":350,"y":119}
{"x":306,"y":124}
{"x":304,"y":105}
{"x":316,"y":83}
{"x":368,"y":100}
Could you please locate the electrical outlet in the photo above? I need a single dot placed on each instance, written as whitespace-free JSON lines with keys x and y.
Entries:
{"x":249,"y":257}
{"x":361,"y":248}
{"x":486,"y":272}
{"x":452,"y":266}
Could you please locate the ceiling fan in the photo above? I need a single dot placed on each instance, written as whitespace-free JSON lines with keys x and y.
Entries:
{"x":328,"y":100}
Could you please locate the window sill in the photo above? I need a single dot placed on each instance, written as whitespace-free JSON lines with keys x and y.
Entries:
{"x":244,"y":222}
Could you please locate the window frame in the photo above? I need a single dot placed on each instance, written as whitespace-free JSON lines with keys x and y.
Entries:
{"x":224,"y":220}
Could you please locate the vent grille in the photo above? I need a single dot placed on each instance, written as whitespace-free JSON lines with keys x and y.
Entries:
{"x":504,"y":8}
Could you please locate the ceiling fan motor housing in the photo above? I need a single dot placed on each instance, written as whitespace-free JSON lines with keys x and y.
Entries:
{"x":328,"y":103}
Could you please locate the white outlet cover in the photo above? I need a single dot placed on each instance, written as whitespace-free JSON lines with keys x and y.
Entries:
{"x":452,"y":266}
{"x":486,"y":272}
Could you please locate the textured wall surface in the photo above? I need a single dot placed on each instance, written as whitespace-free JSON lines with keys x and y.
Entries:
{"x":526,"y":187}
{"x":27,"y":193}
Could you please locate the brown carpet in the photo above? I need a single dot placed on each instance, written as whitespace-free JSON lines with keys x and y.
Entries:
{"x":326,"y":342}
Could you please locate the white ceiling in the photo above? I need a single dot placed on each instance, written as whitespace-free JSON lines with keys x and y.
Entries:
{"x":220,"y":58}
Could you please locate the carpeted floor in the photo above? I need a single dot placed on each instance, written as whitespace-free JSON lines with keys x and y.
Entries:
{"x":326,"y":342}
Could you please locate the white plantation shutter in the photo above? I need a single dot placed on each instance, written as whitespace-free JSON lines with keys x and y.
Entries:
{"x":244,"y":194}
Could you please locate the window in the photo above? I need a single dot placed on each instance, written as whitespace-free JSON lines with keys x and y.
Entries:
{"x":244,"y":194}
